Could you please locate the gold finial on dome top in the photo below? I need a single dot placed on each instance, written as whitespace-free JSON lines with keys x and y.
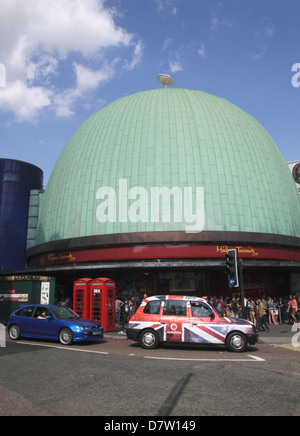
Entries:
{"x":165,"y":80}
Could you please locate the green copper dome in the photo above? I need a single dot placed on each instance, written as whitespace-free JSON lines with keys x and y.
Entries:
{"x":171,"y":139}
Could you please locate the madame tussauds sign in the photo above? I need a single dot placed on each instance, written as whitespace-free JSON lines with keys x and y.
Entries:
{"x":156,"y":205}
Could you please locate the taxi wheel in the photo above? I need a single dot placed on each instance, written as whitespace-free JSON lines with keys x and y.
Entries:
{"x":65,"y":336}
{"x":149,"y":339}
{"x":236,"y":342}
{"x":14,"y":332}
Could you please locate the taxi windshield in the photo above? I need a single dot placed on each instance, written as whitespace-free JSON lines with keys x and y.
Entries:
{"x":64,"y":313}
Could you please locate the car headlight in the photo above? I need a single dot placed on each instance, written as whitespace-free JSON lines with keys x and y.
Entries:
{"x":84,"y":329}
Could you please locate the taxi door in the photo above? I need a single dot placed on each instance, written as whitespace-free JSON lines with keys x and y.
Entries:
{"x":204,"y":326}
{"x":173,"y":317}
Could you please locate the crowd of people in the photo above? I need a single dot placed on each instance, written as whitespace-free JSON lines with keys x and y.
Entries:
{"x":65,"y":302}
{"x":262,"y":311}
{"x":125,"y":309}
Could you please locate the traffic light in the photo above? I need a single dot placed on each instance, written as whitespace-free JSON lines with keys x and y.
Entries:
{"x":232,"y":268}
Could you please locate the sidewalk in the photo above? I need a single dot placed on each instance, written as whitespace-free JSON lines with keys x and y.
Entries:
{"x":278,"y":335}
{"x":116,"y":334}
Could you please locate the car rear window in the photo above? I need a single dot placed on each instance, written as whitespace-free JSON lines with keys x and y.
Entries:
{"x":26,"y":312}
{"x":175,"y":308}
{"x":153,"y":307}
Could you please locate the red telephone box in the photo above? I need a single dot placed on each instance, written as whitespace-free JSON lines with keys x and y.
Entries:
{"x":81,"y":297}
{"x":102,"y":302}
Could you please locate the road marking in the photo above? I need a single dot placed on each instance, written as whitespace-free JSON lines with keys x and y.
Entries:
{"x":286,"y":347}
{"x":58,"y":347}
{"x":252,"y":359}
{"x":258,"y":359}
{"x":61,"y":348}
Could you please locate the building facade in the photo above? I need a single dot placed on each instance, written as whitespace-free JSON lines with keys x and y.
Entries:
{"x":154,"y":188}
{"x":18,"y":179}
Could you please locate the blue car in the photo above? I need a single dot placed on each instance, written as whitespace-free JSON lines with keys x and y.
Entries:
{"x":52,"y":322}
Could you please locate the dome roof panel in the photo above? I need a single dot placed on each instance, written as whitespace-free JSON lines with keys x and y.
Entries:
{"x":174,"y":139}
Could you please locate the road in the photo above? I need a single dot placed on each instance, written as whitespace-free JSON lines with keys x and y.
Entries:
{"x":115,"y":377}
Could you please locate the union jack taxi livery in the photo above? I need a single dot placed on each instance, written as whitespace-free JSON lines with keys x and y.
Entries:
{"x":187,"y":319}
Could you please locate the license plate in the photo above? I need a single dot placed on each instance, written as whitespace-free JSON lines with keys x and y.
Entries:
{"x":97,"y":333}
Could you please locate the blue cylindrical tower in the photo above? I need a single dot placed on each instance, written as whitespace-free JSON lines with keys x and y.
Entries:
{"x":17,"y":179}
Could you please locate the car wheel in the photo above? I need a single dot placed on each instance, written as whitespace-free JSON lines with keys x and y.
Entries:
{"x":14,"y":332}
{"x":65,"y":336}
{"x":149,"y":339}
{"x":236,"y":342}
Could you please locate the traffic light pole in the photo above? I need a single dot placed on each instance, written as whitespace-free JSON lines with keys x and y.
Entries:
{"x":241,"y":286}
{"x":234,"y":266}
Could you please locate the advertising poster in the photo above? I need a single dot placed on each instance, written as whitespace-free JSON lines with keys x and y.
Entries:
{"x":45,"y":292}
{"x":13,"y":297}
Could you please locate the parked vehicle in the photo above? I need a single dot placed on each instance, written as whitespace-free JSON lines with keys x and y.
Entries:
{"x":52,"y":322}
{"x":187,"y":320}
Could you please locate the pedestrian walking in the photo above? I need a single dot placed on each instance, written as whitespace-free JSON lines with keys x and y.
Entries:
{"x":119,"y":303}
{"x":234,"y":307}
{"x":282,"y":310}
{"x":292,"y":309}
{"x":223,"y":307}
{"x":262,"y":316}
{"x":271,"y":311}
{"x":257,"y":315}
{"x":125,"y":316}
{"x":251,"y":308}
{"x":132,"y":307}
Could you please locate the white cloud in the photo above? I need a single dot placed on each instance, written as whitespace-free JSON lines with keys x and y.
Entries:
{"x":167,"y":5}
{"x":259,"y":53}
{"x":202,"y":50}
{"x":175,"y":66}
{"x":167,"y":43}
{"x":24,"y":101}
{"x":64,"y":101}
{"x":39,"y":39}
{"x":86,"y":80}
{"x":263,"y":34}
{"x":268,"y":29}
{"x":137,"y":56}
{"x":216,"y":22}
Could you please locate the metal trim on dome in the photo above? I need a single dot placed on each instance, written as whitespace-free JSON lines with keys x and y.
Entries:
{"x":162,"y":238}
{"x":154,"y":265}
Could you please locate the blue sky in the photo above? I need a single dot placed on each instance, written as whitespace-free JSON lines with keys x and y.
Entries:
{"x":65,"y":59}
